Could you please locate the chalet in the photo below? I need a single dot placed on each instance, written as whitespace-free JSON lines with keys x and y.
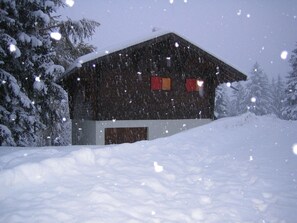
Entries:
{"x":153,"y":87}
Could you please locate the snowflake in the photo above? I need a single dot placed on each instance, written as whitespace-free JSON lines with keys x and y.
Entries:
{"x":158,"y":168}
{"x":70,"y":3}
{"x":253,"y":99}
{"x":56,"y":35}
{"x":295,"y":149}
{"x":37,"y":79}
{"x":12,"y":48}
{"x":284,"y":55}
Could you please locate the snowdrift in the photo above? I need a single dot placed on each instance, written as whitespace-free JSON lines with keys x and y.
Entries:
{"x":240,"y":169}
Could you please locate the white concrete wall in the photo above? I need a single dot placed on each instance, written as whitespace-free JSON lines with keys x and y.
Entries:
{"x":83,"y":132}
{"x":92,"y":132}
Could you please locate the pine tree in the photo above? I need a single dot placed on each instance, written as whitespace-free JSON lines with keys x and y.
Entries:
{"x":31,"y":102}
{"x":72,"y":45}
{"x":239,"y":103}
{"x":18,"y":122}
{"x":290,"y":102}
{"x":258,"y":92}
{"x":222,"y":102}
{"x":278,"y":96}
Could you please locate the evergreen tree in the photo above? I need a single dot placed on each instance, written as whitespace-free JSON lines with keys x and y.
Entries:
{"x":278,"y":96}
{"x":72,"y":45}
{"x":258,"y":92}
{"x":290,"y":102}
{"x":239,"y":103}
{"x":222,"y":102}
{"x":30,"y":100}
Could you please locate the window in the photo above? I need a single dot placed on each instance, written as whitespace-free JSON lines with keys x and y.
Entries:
{"x":166,"y":84}
{"x":194,"y":85}
{"x":160,"y":83}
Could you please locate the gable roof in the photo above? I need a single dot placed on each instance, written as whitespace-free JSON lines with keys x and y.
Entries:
{"x":232,"y":73}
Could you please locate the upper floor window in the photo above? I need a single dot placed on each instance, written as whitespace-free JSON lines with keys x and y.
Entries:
{"x":194,"y":84}
{"x":160,"y":83}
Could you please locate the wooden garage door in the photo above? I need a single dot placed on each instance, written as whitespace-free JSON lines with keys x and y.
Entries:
{"x":124,"y":135}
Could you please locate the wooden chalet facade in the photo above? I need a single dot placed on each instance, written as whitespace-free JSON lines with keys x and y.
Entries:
{"x":146,"y":89}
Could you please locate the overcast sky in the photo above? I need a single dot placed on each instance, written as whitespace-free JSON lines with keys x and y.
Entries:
{"x":240,"y":32}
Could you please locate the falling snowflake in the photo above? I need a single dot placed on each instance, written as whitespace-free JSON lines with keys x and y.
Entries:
{"x":200,"y":83}
{"x":12,"y":48}
{"x":176,"y":44}
{"x":70,"y":3}
{"x":171,"y":1}
{"x":64,"y":119}
{"x":158,"y":168}
{"x":56,"y":35}
{"x":239,"y":12}
{"x":228,"y":84}
{"x":253,"y":99}
{"x":37,"y":79}
{"x":295,"y":149}
{"x":248,"y":16}
{"x":284,"y":55}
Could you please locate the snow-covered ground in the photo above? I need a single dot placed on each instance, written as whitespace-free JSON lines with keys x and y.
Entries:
{"x":240,"y":169}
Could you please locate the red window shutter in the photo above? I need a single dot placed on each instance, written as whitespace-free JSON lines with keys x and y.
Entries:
{"x":156,"y":83}
{"x":191,"y":85}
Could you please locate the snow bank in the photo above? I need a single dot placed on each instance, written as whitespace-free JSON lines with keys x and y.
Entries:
{"x":240,"y":169}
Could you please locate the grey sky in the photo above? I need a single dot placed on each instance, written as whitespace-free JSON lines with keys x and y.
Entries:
{"x":240,"y":32}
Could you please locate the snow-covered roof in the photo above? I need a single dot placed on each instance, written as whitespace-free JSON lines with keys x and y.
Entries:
{"x":117,"y":47}
{"x":114,"y":48}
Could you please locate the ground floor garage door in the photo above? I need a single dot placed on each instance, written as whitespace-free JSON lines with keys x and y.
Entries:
{"x":125,"y":135}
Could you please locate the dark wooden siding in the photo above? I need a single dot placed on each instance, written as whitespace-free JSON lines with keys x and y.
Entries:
{"x":124,"y":84}
{"x":117,"y":86}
